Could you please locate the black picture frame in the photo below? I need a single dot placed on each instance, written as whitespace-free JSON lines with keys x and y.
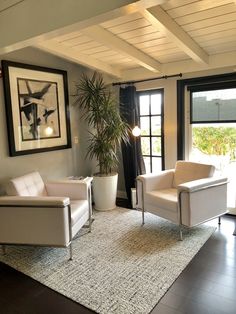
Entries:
{"x":37,"y":108}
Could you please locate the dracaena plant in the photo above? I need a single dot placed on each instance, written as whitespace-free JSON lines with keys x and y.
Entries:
{"x":108,"y":129}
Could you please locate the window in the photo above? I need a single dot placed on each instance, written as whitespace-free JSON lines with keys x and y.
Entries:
{"x":151,"y":124}
{"x":207,"y":125}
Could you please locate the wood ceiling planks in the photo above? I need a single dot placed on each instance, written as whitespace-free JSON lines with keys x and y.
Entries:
{"x":196,"y":6}
{"x":210,"y":23}
{"x":206,"y":14}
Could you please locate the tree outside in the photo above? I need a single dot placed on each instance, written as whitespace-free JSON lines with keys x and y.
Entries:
{"x":215,"y":140}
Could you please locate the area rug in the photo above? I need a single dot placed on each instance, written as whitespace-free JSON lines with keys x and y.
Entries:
{"x":121,"y":267}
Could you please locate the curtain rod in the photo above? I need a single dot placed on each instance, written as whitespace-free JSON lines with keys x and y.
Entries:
{"x":145,"y":80}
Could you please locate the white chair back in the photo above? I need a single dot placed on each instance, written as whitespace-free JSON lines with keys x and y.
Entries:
{"x":30,"y":184}
{"x":186,"y":171}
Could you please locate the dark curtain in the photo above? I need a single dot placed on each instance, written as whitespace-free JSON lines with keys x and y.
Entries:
{"x":131,"y":153}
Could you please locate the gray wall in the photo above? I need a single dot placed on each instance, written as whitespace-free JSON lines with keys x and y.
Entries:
{"x":55,"y":164}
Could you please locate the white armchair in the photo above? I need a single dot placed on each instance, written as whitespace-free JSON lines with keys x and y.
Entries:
{"x":49,"y":214}
{"x":187,"y":195}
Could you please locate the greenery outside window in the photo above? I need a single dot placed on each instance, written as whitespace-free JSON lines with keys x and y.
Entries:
{"x":213,"y":117}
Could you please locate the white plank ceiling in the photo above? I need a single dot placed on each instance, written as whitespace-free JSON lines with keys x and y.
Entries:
{"x":179,"y":34}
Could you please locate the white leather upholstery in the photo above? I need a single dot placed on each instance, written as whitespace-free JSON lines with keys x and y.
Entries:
{"x":166,"y":199}
{"x":200,"y":184}
{"x":190,"y":171}
{"x":34,"y":225}
{"x":35,"y":201}
{"x":202,"y":196}
{"x":28,"y":185}
{"x":69,"y":188}
{"x":43,"y":214}
{"x":162,"y":180}
{"x":78,"y":209}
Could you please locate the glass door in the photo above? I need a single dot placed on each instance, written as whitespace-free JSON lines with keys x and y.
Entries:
{"x":151,"y":117}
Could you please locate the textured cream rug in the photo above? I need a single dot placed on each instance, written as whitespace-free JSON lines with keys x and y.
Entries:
{"x":121,"y":267}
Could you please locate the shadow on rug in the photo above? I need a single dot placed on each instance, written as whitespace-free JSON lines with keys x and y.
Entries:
{"x":121,"y":267}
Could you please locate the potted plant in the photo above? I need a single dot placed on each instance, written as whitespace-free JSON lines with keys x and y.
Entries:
{"x":99,"y":108}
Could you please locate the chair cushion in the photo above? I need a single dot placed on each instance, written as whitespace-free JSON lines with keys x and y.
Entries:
{"x":30,"y":184}
{"x":186,"y":171}
{"x":166,"y":199}
{"x":78,"y":209}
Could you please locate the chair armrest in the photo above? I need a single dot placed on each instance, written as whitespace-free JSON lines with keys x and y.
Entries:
{"x":34,"y":201}
{"x":203,"y":199}
{"x":150,"y":182}
{"x":162,"y":180}
{"x":74,"y":189}
{"x":35,"y":220}
{"x":201,"y":184}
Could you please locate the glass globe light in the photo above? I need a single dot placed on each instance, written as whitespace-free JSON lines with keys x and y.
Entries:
{"x":136,"y":131}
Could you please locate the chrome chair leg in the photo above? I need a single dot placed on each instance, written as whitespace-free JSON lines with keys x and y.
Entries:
{"x":71,"y":252}
{"x":143,"y":222}
{"x":180,"y":234}
{"x":90,"y":224}
{"x":90,"y":208}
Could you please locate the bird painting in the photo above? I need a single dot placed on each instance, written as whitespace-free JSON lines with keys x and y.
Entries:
{"x":31,"y":101}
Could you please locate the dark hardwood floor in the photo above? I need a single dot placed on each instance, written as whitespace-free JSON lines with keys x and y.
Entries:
{"x":206,"y":286}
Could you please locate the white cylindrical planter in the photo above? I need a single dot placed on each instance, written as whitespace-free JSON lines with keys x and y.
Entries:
{"x":104,"y":192}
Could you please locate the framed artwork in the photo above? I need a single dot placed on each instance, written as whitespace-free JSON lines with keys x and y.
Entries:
{"x":37,"y":108}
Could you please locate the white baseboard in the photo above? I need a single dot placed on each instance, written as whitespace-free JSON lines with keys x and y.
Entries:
{"x":232,"y":211}
{"x":133,"y":197}
{"x":121,"y":194}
